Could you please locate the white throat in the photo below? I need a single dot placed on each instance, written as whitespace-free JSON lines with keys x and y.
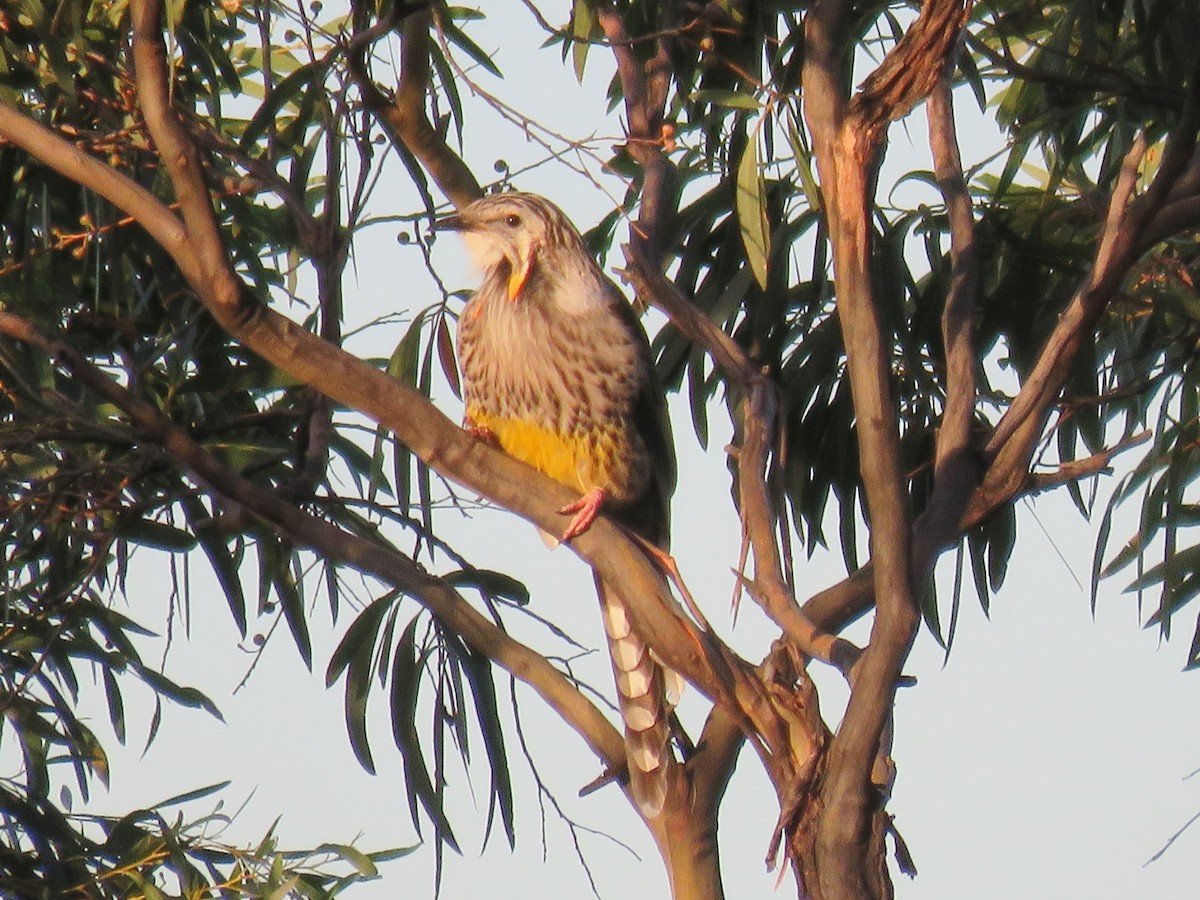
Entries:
{"x":485,"y":249}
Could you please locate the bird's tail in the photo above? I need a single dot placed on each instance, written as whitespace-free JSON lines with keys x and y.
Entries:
{"x":644,"y":691}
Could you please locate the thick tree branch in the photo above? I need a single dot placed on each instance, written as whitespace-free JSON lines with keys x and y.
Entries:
{"x":840,"y":604}
{"x":957,"y":466}
{"x":958,"y":419}
{"x":768,"y":587}
{"x":911,"y":69}
{"x":1171,"y":207}
{"x":446,"y":448}
{"x":336,"y":545}
{"x":205,"y":253}
{"x":649,"y":283}
{"x":848,"y":140}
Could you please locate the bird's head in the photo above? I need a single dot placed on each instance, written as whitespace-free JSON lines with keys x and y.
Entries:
{"x":510,"y":231}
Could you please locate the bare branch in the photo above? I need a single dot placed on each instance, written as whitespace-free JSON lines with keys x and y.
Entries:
{"x":848,"y":139}
{"x":650,"y":284}
{"x":208,"y":269}
{"x":954,"y":435}
{"x":645,"y":88}
{"x":404,"y":114}
{"x":957,"y":465}
{"x":768,"y":588}
{"x":1078,"y":469}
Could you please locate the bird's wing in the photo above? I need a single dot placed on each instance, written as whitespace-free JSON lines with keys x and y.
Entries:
{"x":652,"y":518}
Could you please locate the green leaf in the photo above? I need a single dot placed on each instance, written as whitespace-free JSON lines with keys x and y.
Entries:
{"x":977,"y":545}
{"x":446,"y":356}
{"x":192,"y":795}
{"x":456,"y":36}
{"x":185,"y":696}
{"x":583,"y":25}
{"x":358,"y":689}
{"x":220,"y":558}
{"x":495,"y":584}
{"x":1182,"y":562}
{"x":359,"y":640}
{"x":296,"y":85}
{"x":406,"y":678}
{"x":116,"y":707}
{"x":752,"y":212}
{"x":148,"y":533}
{"x":361,"y":862}
{"x":730,"y":99}
{"x":804,"y":161}
{"x":292,"y":600}
{"x":1002,"y":537}
{"x":478,"y":669}
{"x":1102,"y":536}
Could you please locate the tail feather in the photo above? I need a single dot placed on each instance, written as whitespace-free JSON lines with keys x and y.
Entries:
{"x":642,"y":699}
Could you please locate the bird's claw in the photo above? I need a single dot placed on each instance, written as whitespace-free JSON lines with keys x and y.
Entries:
{"x":586,"y":509}
{"x":480,"y":432}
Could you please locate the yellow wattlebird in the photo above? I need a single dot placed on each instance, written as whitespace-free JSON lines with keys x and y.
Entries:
{"x":557,"y":371}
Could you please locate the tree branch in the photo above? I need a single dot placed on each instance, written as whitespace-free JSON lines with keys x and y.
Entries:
{"x":911,"y":68}
{"x":957,"y":466}
{"x":716,"y":671}
{"x":958,"y":419}
{"x":208,"y":267}
{"x":1119,"y":246}
{"x":848,"y":139}
{"x":768,"y":587}
{"x":645,"y":88}
{"x":649,"y":283}
{"x":336,"y":545}
{"x":404,"y":114}
{"x":1010,"y":451}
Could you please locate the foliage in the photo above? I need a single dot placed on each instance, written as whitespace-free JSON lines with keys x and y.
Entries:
{"x":292,"y":157}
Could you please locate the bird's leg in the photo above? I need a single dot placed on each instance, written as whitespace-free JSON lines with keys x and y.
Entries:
{"x":479,"y":432}
{"x":585,"y":508}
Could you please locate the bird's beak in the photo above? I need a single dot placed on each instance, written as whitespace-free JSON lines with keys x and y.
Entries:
{"x":453,"y":222}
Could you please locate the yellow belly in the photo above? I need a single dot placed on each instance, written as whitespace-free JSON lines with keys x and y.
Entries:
{"x":580,"y":461}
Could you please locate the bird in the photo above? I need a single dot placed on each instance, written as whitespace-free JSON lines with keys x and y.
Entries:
{"x":557,"y":371}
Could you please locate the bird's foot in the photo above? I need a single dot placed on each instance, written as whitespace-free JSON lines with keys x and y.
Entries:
{"x":585,"y":508}
{"x":480,"y":432}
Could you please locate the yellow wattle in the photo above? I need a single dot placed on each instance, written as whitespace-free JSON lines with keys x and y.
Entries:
{"x":516,"y":281}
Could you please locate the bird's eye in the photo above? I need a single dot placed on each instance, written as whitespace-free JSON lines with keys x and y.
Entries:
{"x":512,"y":220}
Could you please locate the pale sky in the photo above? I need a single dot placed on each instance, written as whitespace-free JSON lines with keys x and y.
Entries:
{"x":1047,"y":759}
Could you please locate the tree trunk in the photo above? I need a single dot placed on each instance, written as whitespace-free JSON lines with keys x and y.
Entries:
{"x":687,"y":842}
